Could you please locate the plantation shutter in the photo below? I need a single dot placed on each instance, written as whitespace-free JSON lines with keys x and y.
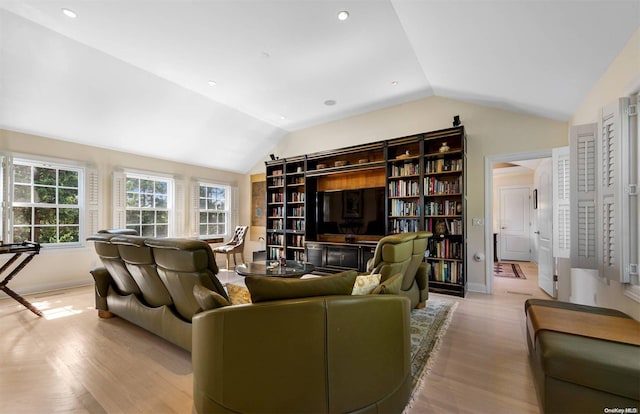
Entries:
{"x":610,"y":176}
{"x":119,"y":200}
{"x":561,"y":203}
{"x":180,"y":212}
{"x":5,"y":200}
{"x":619,"y":189}
{"x":234,"y":210}
{"x":194,"y":209}
{"x":582,"y":184}
{"x":92,"y":201}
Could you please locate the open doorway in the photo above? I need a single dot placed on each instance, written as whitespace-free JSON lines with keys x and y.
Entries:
{"x":513,"y":200}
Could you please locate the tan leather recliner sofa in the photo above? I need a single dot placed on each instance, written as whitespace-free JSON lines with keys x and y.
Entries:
{"x":326,"y":354}
{"x":149,"y":281}
{"x":404,"y":253}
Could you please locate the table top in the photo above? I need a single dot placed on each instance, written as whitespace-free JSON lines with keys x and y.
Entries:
{"x":293,"y":268}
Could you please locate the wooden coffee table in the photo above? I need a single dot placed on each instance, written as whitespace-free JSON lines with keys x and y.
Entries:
{"x":293,"y":268}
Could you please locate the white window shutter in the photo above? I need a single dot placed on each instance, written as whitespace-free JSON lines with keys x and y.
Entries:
{"x":119,"y":200}
{"x":582,"y":164}
{"x":194,"y":209}
{"x":92,"y":201}
{"x":561,"y":203}
{"x":5,"y":198}
{"x":180,"y":218}
{"x":235,"y":216}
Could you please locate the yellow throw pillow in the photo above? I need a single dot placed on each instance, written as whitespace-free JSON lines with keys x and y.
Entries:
{"x":238,"y":295}
{"x":365,"y":284}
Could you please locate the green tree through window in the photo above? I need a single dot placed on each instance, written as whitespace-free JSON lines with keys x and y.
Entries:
{"x":46,"y":206}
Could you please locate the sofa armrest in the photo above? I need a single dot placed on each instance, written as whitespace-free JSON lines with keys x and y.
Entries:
{"x":102,"y":280}
{"x":422,"y":278}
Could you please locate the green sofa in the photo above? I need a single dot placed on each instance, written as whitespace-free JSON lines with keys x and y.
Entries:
{"x":575,"y":373}
{"x":404,"y":253}
{"x":326,"y":354}
{"x":149,"y":281}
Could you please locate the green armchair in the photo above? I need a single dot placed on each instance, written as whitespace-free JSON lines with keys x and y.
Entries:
{"x":404,"y":253}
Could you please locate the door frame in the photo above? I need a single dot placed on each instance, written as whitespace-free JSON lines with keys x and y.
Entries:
{"x":489,"y":160}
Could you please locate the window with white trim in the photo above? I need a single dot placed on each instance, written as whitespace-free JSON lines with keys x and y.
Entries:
{"x":148,"y":204}
{"x":47,"y":202}
{"x":214,"y":209}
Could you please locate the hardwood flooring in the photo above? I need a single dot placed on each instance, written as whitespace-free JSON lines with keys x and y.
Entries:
{"x":70,"y":361}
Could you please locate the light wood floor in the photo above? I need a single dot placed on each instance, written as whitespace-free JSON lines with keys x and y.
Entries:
{"x":72,"y":362}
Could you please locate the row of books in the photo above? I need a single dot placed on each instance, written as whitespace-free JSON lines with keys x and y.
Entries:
{"x":297,"y":224}
{"x":444,"y":249}
{"x":276,"y":182}
{"x":405,"y":169}
{"x":275,"y":212}
{"x":403,"y":188}
{"x":434,"y":186}
{"x":297,"y":211}
{"x":443,"y":165}
{"x":441,"y":208}
{"x":446,"y":271}
{"x":405,"y":208}
{"x":277,"y":239}
{"x":297,"y":240}
{"x":277,"y":197}
{"x":403,"y":225}
{"x":297,"y":197}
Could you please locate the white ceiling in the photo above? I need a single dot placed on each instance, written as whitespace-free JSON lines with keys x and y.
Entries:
{"x":132,"y":75}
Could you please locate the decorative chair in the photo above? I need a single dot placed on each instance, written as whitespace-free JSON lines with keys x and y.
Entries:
{"x":233,"y":246}
{"x":404,"y":253}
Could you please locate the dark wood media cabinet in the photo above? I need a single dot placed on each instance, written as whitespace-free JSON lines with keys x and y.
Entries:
{"x":422,"y":187}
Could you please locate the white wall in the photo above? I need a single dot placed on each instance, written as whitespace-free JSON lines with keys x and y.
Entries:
{"x":622,"y":78}
{"x":60,"y":268}
{"x":489,"y":132}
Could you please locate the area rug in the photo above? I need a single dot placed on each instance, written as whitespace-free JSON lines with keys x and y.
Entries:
{"x":428,"y":326}
{"x":512,"y":270}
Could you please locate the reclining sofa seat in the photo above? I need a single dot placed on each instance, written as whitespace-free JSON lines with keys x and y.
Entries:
{"x":155,"y":296}
{"x":404,"y":253}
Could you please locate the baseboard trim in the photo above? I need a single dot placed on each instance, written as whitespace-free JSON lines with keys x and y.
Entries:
{"x":477,"y":287}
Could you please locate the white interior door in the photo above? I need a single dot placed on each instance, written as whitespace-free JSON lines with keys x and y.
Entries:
{"x":515,"y":241}
{"x":544,"y":212}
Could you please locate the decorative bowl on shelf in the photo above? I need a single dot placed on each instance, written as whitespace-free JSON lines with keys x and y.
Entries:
{"x":341,"y":163}
{"x":444,"y":147}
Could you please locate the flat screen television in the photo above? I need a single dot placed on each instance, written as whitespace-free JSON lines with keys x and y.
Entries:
{"x":357,"y":212}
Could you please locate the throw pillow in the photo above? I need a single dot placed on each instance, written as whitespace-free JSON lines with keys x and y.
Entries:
{"x":275,"y":288}
{"x":208,"y":299}
{"x":365,"y":284}
{"x":238,"y":294}
{"x":390,"y":285}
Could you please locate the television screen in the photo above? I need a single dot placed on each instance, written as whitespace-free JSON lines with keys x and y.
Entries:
{"x":351,"y":211}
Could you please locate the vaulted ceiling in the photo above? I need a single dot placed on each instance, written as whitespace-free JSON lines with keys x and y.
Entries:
{"x":217,"y":83}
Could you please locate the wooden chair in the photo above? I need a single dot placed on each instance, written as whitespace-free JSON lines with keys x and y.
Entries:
{"x":233,"y":246}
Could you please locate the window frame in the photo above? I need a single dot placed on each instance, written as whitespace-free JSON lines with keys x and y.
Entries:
{"x":227,"y":210}
{"x":8,"y":187}
{"x":170,"y":206}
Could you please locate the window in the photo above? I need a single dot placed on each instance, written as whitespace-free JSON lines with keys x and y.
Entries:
{"x":148,"y":202}
{"x":213,"y":210}
{"x":46,"y":203}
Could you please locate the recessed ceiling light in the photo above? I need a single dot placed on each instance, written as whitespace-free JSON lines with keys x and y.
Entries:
{"x":282,"y":117}
{"x":211,"y":83}
{"x":329,"y":102}
{"x":394,"y":83}
{"x":343,"y":15}
{"x":69,"y":13}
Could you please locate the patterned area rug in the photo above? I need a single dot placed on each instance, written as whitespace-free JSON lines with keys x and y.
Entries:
{"x":502,"y":269}
{"x":428,"y":325}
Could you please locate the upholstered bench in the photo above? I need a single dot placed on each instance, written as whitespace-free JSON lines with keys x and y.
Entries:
{"x":584,"y":359}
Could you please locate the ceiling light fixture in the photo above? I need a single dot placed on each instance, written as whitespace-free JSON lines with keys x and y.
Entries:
{"x":211,"y":83}
{"x":69,"y":13}
{"x":343,"y":15}
{"x":394,"y":83}
{"x":329,"y":102}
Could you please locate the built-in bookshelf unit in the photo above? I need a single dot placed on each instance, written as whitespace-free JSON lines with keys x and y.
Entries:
{"x":330,"y":207}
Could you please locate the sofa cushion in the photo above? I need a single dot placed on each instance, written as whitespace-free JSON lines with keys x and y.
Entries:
{"x":274,"y":288}
{"x":364,"y":284}
{"x":389,"y":286}
{"x":208,"y":299}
